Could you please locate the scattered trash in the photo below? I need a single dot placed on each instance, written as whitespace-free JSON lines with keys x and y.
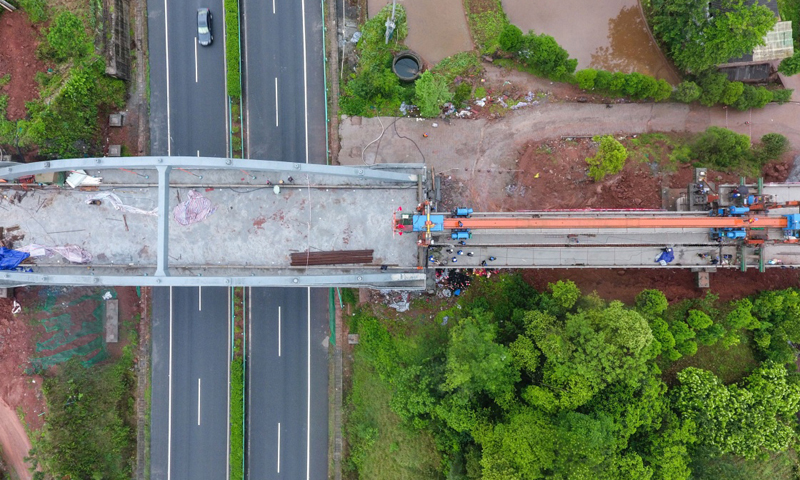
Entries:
{"x":194,"y":209}
{"x":400,"y":306}
{"x":356,"y":37}
{"x":406,"y":108}
{"x":434,"y":124}
{"x":79,"y":178}
{"x":118,"y":205}
{"x":71,"y":253}
{"x":481,"y":102}
{"x":10,"y":259}
{"x":107,"y":296}
{"x":16,"y":308}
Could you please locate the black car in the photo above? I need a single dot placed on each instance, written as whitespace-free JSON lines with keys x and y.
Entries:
{"x":204,"y":36}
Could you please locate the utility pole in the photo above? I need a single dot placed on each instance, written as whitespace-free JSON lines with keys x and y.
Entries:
{"x":390,"y":22}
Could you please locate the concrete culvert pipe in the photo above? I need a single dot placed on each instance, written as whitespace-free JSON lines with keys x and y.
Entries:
{"x":407,"y":65}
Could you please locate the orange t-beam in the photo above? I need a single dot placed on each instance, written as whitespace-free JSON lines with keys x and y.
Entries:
{"x":613,"y":222}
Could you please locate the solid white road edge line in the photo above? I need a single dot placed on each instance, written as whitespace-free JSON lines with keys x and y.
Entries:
{"x":305,"y":83}
{"x":195,"y":60}
{"x":228,"y":423}
{"x":276,"y":101}
{"x":166,"y":48}
{"x":308,"y":389}
{"x":169,"y":396}
{"x":279,"y":447}
{"x":198,"y":401}
{"x":250,"y":370}
{"x":199,"y":289}
{"x":279,"y":330}
{"x":273,"y":7}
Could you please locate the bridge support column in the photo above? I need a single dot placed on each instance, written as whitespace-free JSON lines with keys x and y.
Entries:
{"x":162,"y":264}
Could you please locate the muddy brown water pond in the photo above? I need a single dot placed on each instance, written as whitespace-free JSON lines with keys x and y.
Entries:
{"x":436,"y":28}
{"x":610,"y":35}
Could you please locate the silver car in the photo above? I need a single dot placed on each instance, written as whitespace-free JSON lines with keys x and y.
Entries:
{"x":204,"y":35}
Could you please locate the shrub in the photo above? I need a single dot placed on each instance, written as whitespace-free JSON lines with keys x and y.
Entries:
{"x":461,"y":64}
{"x":772,"y":146}
{"x":698,"y":320}
{"x":543,"y":54}
{"x":462,"y":95}
{"x":486,"y":25}
{"x":67,"y":38}
{"x":610,"y":158}
{"x":753,"y":97}
{"x":791,"y":65}
{"x":782,"y":96}
{"x":651,"y":302}
{"x":431,"y":93}
{"x":687,"y":348}
{"x":713,"y":86}
{"x":686,"y":92}
{"x":731,"y":93}
{"x":663,"y":91}
{"x":602,"y":80}
{"x":237,"y":418}
{"x":232,"y":48}
{"x":511,"y":38}
{"x":721,"y":148}
{"x":36,"y":9}
{"x":585,"y":78}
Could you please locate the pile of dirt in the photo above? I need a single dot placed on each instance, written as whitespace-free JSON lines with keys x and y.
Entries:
{"x":677,"y":284}
{"x":19,"y":38}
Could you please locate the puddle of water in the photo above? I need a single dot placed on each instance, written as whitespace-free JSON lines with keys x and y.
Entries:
{"x":610,"y":35}
{"x":406,"y":67}
{"x":436,"y":29}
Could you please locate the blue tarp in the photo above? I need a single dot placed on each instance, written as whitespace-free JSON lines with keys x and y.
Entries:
{"x":10,"y":259}
{"x":666,"y":256}
{"x":419,"y":223}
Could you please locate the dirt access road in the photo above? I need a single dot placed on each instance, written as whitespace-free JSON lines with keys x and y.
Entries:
{"x":14,"y":441}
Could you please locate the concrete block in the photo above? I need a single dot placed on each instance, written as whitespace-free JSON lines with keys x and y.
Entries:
{"x":703,"y":280}
{"x":112,"y":321}
{"x":115,"y":120}
{"x":352,"y":339}
{"x":115,"y":150}
{"x":6,"y":292}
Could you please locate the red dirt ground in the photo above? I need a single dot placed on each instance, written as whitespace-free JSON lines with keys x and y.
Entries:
{"x":19,"y":39}
{"x":18,"y":336}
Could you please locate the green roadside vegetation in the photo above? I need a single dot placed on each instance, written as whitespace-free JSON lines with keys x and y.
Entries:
{"x":63,"y":121}
{"x":720,"y":149}
{"x":509,"y":382}
{"x":237,"y":388}
{"x":233,"y":66}
{"x":90,"y":429}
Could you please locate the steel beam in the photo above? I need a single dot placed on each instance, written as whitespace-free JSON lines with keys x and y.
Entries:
{"x":407,"y":281}
{"x":210,"y":163}
{"x":162,"y":262}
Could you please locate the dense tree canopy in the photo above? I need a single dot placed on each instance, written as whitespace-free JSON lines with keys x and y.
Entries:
{"x":700,"y":35}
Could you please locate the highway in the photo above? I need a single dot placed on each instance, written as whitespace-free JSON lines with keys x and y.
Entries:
{"x":190,"y":383}
{"x":284,"y":117}
{"x":190,"y":330}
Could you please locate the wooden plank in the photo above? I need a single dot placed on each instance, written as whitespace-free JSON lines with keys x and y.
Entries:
{"x":7,"y":6}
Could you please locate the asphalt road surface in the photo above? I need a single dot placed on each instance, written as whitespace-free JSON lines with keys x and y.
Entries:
{"x":187,"y":81}
{"x":284,"y":114}
{"x":190,"y":345}
{"x":189,"y":413}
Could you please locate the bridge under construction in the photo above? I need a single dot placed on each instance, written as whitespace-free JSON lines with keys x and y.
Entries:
{"x":212,"y":221}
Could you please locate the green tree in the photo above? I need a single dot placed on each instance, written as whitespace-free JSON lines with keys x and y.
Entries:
{"x":591,"y":349}
{"x":610,"y":158}
{"x":721,"y":148}
{"x":565,"y":293}
{"x":698,"y":320}
{"x":701,"y":35}
{"x":545,"y":55}
{"x":686,"y":92}
{"x":510,"y":38}
{"x":67,"y":38}
{"x":712,"y":85}
{"x":431,"y":93}
{"x":772,"y":147}
{"x":746,"y":420}
{"x":741,"y":316}
{"x":663,"y":91}
{"x":585,"y":78}
{"x":790,"y":65}
{"x":476,"y":363}
{"x":711,"y":335}
{"x":782,"y":95}
{"x":753,"y":97}
{"x":651,"y":302}
{"x":732,"y":93}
